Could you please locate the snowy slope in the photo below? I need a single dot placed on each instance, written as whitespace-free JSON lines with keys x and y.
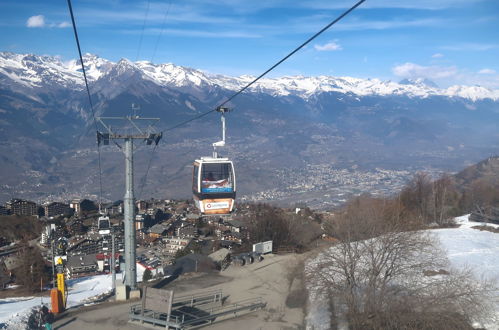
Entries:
{"x":465,"y":247}
{"x":468,"y":247}
{"x":37,"y":71}
{"x":14,"y":312}
{"x":476,"y":250}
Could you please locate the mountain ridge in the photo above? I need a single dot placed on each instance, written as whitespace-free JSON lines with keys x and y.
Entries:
{"x":29,"y":70}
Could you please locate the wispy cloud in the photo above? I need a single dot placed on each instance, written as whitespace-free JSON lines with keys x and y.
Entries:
{"x":437,"y":55}
{"x":487,"y":71}
{"x":392,"y":24}
{"x":63,"y":25}
{"x":37,"y":21}
{"x":477,"y":47}
{"x":184,"y":14}
{"x":328,"y":47}
{"x":412,"y":70}
{"x":396,"y":4}
{"x":196,"y":33}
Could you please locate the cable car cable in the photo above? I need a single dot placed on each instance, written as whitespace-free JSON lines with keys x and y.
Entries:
{"x":143,"y":28}
{"x":161,"y":31}
{"x":89,"y":96}
{"x":253,"y":81}
{"x":272,"y":67}
{"x":144,"y":178}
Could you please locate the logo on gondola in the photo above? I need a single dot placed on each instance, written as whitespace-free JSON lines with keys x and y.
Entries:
{"x":218,"y":205}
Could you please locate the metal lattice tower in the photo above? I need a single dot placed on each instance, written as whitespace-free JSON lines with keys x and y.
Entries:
{"x":145,"y":134}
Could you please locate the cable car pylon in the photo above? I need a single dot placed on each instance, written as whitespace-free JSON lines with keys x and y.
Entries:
{"x":149,"y":137}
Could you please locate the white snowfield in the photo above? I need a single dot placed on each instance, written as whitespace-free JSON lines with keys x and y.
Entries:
{"x":14,"y":312}
{"x":35,"y":71}
{"x":465,"y":246}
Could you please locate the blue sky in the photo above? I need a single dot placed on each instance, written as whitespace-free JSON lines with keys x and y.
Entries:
{"x":447,"y":41}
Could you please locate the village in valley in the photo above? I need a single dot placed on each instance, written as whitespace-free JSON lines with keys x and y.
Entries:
{"x":166,"y":230}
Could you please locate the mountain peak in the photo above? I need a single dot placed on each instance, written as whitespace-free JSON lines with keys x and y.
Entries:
{"x":418,"y":82}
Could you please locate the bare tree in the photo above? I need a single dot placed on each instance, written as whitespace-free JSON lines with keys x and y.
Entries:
{"x":445,"y":199}
{"x":377,"y":270}
{"x":416,"y":196}
{"x":32,"y":269}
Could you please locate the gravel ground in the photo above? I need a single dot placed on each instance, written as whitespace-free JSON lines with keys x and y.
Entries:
{"x":277,"y":279}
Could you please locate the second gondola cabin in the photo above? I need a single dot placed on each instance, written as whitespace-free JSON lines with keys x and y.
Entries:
{"x":104,"y":225}
{"x":214,"y":185}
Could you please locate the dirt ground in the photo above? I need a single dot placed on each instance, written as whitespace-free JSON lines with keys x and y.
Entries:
{"x":277,"y":280}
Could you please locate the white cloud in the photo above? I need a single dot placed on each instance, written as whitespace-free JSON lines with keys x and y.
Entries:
{"x":63,"y":25}
{"x":437,"y":55}
{"x":448,"y":75}
{"x":487,"y":71}
{"x":412,"y":70}
{"x":330,"y":46}
{"x":36,"y":21}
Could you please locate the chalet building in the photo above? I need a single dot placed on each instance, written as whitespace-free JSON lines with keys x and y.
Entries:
{"x":75,"y":204}
{"x":75,"y":227}
{"x":187,"y":231}
{"x":114,"y":208}
{"x":4,"y":210}
{"x":159,"y":230}
{"x":84,"y":246}
{"x":174,"y":244}
{"x":141,"y":206}
{"x":81,"y":265}
{"x":22,"y":207}
{"x":235,"y":225}
{"x":192,"y":217}
{"x":55,"y":208}
{"x":140,"y":220}
{"x":232,"y":237}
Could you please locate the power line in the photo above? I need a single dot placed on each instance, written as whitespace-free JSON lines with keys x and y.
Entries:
{"x":88,"y":93}
{"x":272,"y":67}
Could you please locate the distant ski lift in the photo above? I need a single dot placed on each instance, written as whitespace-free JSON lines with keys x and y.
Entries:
{"x":214,"y":180}
{"x":104,"y":225}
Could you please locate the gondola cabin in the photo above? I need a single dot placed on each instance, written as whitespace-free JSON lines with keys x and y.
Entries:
{"x":104,"y":225}
{"x":214,"y":185}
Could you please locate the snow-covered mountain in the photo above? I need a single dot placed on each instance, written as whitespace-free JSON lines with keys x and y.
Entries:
{"x":41,"y":71}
